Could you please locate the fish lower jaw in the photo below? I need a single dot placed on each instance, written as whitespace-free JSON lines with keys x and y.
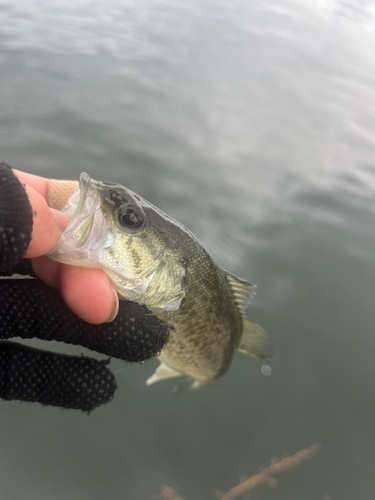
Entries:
{"x":72,"y":257}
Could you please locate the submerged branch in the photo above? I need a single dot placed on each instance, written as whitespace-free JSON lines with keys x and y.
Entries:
{"x":276,"y":467}
{"x":263,"y":477}
{"x":168,"y":493}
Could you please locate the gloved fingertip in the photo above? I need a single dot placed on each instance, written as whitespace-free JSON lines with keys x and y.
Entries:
{"x":115,"y":305}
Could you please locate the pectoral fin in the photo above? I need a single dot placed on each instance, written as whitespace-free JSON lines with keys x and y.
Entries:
{"x":166,"y":288}
{"x":254,"y":341}
{"x":162,"y":372}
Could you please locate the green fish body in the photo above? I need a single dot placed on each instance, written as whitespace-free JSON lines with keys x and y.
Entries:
{"x":154,"y":260}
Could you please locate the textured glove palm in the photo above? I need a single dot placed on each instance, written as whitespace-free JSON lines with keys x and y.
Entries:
{"x":29,"y":308}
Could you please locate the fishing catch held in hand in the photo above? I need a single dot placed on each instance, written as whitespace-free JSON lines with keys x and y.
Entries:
{"x":156,"y":261}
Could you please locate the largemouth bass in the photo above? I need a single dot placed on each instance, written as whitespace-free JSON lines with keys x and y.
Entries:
{"x":156,"y":261}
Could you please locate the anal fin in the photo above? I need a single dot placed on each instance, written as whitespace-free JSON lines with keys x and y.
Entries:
{"x":189,"y":384}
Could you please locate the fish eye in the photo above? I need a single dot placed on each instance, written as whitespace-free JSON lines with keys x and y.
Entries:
{"x":130,"y":217}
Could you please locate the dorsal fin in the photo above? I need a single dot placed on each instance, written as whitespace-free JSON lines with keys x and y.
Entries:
{"x":242,"y":291}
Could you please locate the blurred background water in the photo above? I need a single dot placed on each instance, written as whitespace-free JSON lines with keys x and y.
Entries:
{"x":253,"y":124}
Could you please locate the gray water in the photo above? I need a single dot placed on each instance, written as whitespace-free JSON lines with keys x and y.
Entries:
{"x":252,"y":123}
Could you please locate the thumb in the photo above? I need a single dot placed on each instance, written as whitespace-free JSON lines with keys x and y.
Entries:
{"x":47,"y":225}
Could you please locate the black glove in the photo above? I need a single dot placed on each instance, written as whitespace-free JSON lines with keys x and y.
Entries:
{"x":29,"y":308}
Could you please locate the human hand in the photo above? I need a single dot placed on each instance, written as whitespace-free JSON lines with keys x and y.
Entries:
{"x":87,"y":292}
{"x":30,"y":308}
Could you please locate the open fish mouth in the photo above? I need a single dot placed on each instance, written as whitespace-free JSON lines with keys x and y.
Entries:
{"x":87,"y":230}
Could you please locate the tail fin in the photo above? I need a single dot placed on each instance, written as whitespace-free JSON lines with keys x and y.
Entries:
{"x":254,"y":341}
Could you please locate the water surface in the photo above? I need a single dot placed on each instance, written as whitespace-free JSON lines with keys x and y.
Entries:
{"x":252,"y":123}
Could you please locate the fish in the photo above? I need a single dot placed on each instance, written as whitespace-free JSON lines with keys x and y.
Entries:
{"x":155,"y":261}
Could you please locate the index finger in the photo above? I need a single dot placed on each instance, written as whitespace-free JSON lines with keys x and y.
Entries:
{"x":39,"y":184}
{"x":55,"y":192}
